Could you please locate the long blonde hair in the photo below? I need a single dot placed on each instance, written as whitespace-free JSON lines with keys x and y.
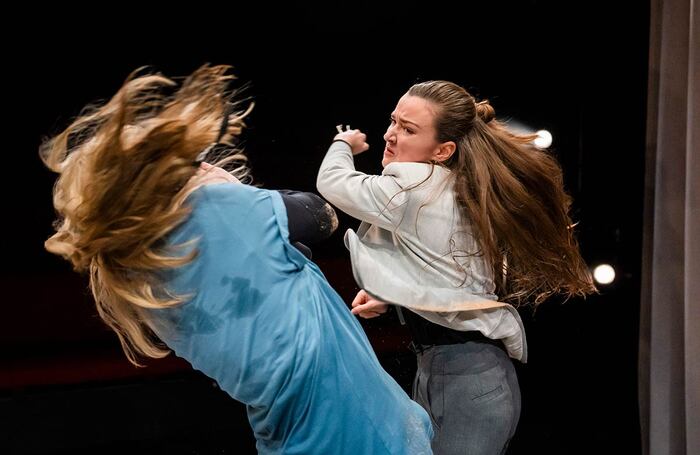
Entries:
{"x":124,"y":167}
{"x":512,"y":195}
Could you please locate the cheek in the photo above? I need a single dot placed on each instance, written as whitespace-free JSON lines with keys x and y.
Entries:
{"x":418,"y":149}
{"x":409,"y":153}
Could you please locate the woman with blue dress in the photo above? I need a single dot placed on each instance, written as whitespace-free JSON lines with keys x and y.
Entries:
{"x":186,"y":257}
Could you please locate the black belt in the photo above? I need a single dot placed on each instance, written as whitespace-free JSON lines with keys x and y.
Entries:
{"x":420,"y":348}
{"x":426,"y":334}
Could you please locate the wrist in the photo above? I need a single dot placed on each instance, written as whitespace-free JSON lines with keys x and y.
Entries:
{"x":343,"y":141}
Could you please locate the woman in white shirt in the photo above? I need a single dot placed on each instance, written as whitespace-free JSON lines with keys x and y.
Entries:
{"x":465,"y":221}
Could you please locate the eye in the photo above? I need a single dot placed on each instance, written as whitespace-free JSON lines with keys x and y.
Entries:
{"x":391,"y":120}
{"x":409,"y":130}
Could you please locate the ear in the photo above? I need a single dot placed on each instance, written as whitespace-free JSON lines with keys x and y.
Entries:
{"x":444,"y":151}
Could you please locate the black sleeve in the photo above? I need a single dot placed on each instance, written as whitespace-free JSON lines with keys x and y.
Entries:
{"x":310,"y":218}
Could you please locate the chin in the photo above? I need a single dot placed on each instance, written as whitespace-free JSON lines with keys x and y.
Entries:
{"x":386,"y":159}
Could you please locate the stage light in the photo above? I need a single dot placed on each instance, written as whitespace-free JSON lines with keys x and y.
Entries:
{"x":604,"y":274}
{"x":543,"y":139}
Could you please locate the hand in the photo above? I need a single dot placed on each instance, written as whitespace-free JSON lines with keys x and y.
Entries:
{"x":356,"y":138}
{"x":367,"y":307}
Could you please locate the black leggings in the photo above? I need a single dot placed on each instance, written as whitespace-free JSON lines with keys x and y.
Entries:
{"x":310,"y":219}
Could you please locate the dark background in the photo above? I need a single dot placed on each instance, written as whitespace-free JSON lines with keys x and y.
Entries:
{"x":578,"y":69}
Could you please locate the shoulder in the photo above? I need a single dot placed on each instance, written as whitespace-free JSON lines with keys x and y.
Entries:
{"x":231,"y":195}
{"x":222,"y":192}
{"x":228,"y":210}
{"x":411,"y":173}
{"x":233,"y":201}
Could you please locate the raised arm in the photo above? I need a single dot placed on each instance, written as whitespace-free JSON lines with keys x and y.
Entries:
{"x":376,"y":199}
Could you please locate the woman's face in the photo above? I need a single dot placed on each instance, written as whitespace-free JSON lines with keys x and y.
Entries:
{"x":411,"y":133}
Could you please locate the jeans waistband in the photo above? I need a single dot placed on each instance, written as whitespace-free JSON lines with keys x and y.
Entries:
{"x":470,"y":337}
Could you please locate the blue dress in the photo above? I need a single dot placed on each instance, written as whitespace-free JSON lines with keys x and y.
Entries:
{"x":266,"y":325}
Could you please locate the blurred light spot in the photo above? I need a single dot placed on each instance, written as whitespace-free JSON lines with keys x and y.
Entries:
{"x":604,"y":274}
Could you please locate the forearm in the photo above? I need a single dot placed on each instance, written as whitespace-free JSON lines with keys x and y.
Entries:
{"x":336,"y":174}
{"x":370,"y":198}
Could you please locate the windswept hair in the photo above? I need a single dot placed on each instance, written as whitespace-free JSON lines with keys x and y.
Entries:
{"x":123,"y":171}
{"x":512,"y":195}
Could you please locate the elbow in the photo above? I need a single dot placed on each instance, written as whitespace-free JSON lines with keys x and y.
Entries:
{"x":323,"y":185}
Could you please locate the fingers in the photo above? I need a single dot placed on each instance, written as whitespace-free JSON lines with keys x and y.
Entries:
{"x":366,"y":307}
{"x":367,"y":314}
{"x":360,"y":298}
{"x":355,"y":138}
{"x":340,"y":129}
{"x":372,"y":306}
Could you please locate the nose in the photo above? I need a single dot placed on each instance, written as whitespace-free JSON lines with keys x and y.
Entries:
{"x":390,"y":136}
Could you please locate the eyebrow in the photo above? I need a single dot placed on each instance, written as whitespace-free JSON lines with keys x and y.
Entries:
{"x":402,"y":120}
